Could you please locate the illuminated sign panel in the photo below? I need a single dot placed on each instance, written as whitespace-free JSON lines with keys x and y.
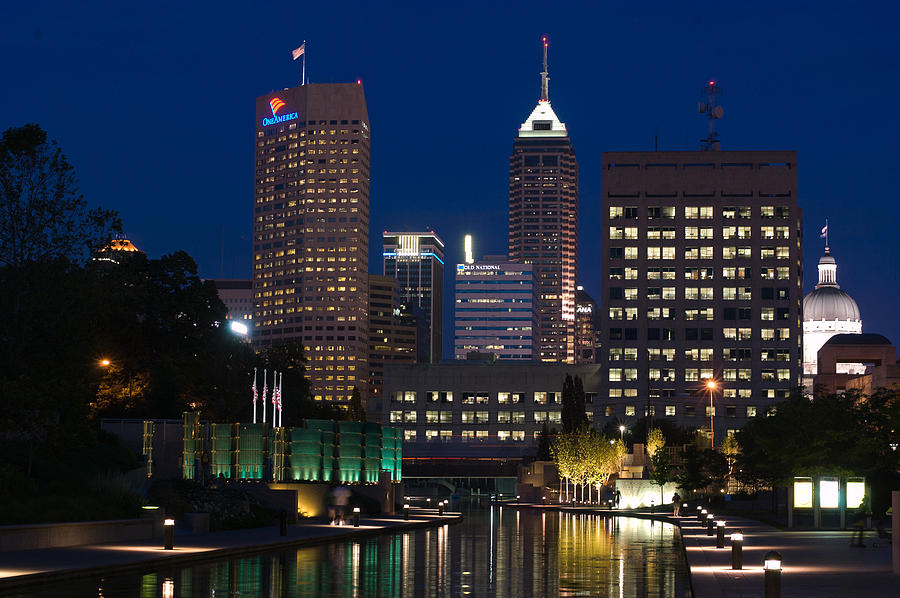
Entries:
{"x":464,"y":267}
{"x":277,"y":104}
{"x":408,"y":245}
{"x":584,"y":309}
{"x":829,"y":493}
{"x":803,"y":493}
{"x":856,"y":489}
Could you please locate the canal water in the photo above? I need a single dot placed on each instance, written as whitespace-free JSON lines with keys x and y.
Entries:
{"x":496,"y":552}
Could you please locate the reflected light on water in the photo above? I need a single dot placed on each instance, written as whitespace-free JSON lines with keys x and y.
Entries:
{"x":492,"y":553}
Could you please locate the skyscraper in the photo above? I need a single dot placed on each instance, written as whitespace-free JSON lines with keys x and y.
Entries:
{"x":495,"y":309}
{"x":311,"y":230}
{"x":416,"y":261}
{"x":392,"y":335}
{"x":703,"y":281}
{"x":543,"y":221}
{"x":587,"y":328}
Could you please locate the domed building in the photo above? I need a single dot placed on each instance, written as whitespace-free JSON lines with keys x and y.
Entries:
{"x":827,"y":311}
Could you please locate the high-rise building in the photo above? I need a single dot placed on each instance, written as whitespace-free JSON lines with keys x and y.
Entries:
{"x":495,"y":309}
{"x":702,"y":269}
{"x":237,"y":295}
{"x":587,"y":327}
{"x":311,"y":230}
{"x":543,"y":221}
{"x":827,"y":311}
{"x":416,"y":261}
{"x":392,"y":334}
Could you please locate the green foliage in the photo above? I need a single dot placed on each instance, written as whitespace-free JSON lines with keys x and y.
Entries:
{"x":840,"y":434}
{"x":662,"y":472}
{"x":355,"y":411}
{"x":543,"y":447}
{"x":42,"y":216}
{"x":655,"y":441}
{"x":573,"y":415}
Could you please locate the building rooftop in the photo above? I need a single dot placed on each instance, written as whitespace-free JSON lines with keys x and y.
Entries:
{"x":858,"y":339}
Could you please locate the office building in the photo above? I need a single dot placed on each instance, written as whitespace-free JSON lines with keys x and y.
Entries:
{"x":587,"y":328}
{"x":311,"y":231}
{"x":702,"y":267}
{"x":864,"y":362}
{"x":392,"y":334}
{"x":827,"y":311}
{"x":237,"y":295}
{"x":416,"y":260}
{"x":543,"y":221}
{"x":495,"y":309}
{"x":479,"y":408}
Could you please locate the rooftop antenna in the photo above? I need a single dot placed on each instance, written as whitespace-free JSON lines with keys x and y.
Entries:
{"x":713,"y":112}
{"x":545,"y":77}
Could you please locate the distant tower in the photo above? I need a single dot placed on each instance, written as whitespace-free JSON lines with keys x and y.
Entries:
{"x":827,"y":311}
{"x":543,"y":220}
{"x":713,"y":112}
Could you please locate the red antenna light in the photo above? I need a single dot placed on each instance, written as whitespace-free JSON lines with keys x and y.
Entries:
{"x":359,"y":81}
{"x":712,"y":82}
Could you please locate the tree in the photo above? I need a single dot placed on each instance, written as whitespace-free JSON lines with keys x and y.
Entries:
{"x":355,"y":411}
{"x":42,"y":215}
{"x":569,"y":417}
{"x":543,"y":447}
{"x":655,"y":442}
{"x":580,"y":416}
{"x":564,"y":453}
{"x":661,"y":471}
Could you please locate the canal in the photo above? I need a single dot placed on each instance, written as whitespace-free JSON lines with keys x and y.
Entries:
{"x":495,"y":552}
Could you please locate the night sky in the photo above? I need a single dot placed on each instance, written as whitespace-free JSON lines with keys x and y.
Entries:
{"x":154,"y":105}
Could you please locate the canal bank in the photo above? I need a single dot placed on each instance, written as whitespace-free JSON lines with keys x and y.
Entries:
{"x":816,"y":564}
{"x":29,"y":567}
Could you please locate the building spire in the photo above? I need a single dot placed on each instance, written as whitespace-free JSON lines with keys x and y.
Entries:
{"x":545,"y":77}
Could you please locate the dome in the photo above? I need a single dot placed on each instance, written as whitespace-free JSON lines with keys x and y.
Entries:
{"x":829,"y":303}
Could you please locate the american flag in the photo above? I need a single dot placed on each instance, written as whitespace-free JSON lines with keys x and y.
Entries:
{"x":265,"y":391}
{"x":299,"y":51}
{"x":253,"y":389}
{"x":275,"y":391}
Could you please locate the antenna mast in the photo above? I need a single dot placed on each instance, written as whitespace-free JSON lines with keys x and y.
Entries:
{"x":713,"y":112}
{"x":545,"y":78}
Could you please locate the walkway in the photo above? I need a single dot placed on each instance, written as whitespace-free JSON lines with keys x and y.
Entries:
{"x":38,"y":566}
{"x":816,"y":564}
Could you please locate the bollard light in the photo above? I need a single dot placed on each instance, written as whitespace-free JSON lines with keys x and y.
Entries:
{"x":701,"y":515}
{"x":169,"y":529}
{"x":772,"y":567}
{"x":441,"y":509}
{"x":737,"y":550}
{"x":684,"y":508}
{"x":652,"y":505}
{"x":406,"y":511}
{"x":355,"y":516}
{"x":517,"y":499}
{"x":710,"y":523}
{"x":543,"y":500}
{"x":720,"y":533}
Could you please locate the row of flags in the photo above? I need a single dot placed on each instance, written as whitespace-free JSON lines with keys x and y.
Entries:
{"x":277,"y":379}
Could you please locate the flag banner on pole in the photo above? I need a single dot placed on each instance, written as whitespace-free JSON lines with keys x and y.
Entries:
{"x":824,"y":232}
{"x":265,"y":392}
{"x":299,"y":51}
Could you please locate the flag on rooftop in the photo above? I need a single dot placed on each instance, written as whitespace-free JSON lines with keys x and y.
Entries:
{"x":297,"y":53}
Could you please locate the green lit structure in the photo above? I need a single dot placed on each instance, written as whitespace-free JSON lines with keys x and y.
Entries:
{"x":319,"y":451}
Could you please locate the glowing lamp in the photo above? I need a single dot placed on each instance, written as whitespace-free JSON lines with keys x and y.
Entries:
{"x":772,"y":561}
{"x":737,"y":536}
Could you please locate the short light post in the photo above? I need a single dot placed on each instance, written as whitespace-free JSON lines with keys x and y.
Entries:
{"x":701,"y":515}
{"x":710,"y":523}
{"x":543,"y":500}
{"x":428,"y":502}
{"x":517,"y":499}
{"x":652,"y":506}
{"x":406,"y":512}
{"x":772,"y":567}
{"x":441,"y":509}
{"x":622,"y":433}
{"x":720,"y":533}
{"x":737,"y":550}
{"x":683,"y":508}
{"x":169,"y":534}
{"x":355,"y":516}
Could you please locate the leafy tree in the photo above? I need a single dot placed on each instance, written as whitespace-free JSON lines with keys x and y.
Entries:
{"x":543,"y":447}
{"x":569,"y":417}
{"x":579,"y":415}
{"x":355,"y":411}
{"x":42,"y":215}
{"x":656,"y":440}
{"x":564,"y":451}
{"x":662,"y":472}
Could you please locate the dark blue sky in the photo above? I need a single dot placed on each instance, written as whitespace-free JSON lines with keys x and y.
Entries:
{"x":153,"y":103}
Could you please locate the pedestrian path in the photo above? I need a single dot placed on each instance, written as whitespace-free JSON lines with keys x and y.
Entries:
{"x":816,"y":564}
{"x":33,"y":566}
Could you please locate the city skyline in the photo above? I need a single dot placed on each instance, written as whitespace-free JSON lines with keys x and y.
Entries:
{"x":844,"y":58}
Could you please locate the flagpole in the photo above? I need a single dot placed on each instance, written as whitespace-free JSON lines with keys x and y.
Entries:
{"x":254,"y":395}
{"x":274,"y":398}
{"x":303,"y":78}
{"x":826,"y":234}
{"x":265,"y":389}
{"x":280,"y":399}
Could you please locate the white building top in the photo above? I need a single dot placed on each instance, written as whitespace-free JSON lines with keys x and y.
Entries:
{"x":543,"y":122}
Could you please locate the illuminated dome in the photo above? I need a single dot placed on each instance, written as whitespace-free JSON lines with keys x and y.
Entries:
{"x":121,"y":244}
{"x":827,"y":302}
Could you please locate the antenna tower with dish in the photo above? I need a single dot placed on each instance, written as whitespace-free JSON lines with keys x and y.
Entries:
{"x":713,"y":112}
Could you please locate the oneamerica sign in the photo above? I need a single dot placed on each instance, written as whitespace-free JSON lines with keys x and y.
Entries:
{"x":279,"y":119}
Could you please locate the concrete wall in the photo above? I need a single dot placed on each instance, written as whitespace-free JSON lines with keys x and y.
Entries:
{"x":51,"y":535}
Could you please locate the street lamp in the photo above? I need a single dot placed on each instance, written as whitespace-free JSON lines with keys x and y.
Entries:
{"x":104,"y":363}
{"x":711,"y":387}
{"x":622,"y":433}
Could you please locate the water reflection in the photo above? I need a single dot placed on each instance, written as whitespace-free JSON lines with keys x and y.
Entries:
{"x":497,"y":552}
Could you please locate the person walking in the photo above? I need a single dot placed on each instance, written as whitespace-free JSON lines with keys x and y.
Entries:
{"x":859,"y":522}
{"x":618,"y":496}
{"x":676,"y":503}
